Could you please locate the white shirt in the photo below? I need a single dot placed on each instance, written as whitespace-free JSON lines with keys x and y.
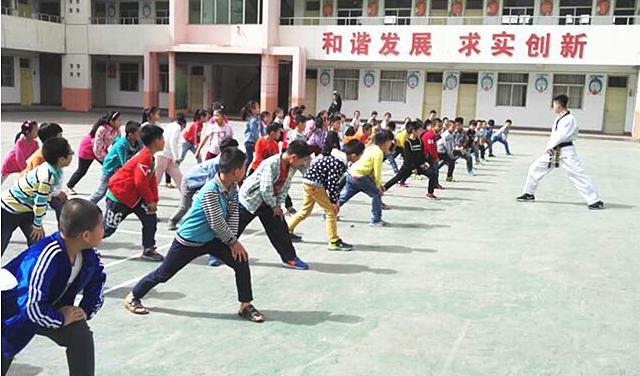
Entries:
{"x":565,"y":129}
{"x":502,"y":132}
{"x":172,"y":141}
{"x":75,"y":271}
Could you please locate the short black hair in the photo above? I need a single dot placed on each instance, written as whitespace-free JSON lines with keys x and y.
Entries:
{"x":273,"y":127}
{"x":150,"y":133}
{"x":335,"y":118}
{"x":228,"y":143}
{"x":300,"y":119}
{"x":350,"y":131}
{"x":508,"y":121}
{"x":298,"y":148}
{"x":491,"y":122}
{"x":562,"y":100}
{"x":332,"y":141}
{"x":380,"y":138}
{"x":54,"y":149}
{"x":433,"y":112}
{"x":48,"y":130}
{"x":353,"y":147}
{"x":180,"y":119}
{"x":459,"y":120}
{"x":391,"y":125}
{"x":374,"y":113}
{"x":412,"y":126}
{"x":231,"y":159}
{"x":79,"y":215}
{"x":131,"y":127}
{"x":366,"y":127}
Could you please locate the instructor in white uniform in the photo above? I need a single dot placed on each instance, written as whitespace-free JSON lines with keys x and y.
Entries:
{"x":562,"y":153}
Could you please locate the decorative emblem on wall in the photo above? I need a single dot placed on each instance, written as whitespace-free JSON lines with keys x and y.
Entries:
{"x":541,"y":83}
{"x":325,"y":78}
{"x":595,"y":84}
{"x":492,"y":7}
{"x":111,"y":10}
{"x":146,"y":10}
{"x":372,"y":9}
{"x":421,"y":8}
{"x":369,"y":79}
{"x":546,"y":7}
{"x":451,"y":81}
{"x":486,"y":82}
{"x":413,"y":80}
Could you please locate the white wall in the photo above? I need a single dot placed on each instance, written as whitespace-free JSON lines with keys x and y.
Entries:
{"x":368,"y":97}
{"x":632,"y":87}
{"x":114,"y":96}
{"x":27,"y":34}
{"x":12,"y":94}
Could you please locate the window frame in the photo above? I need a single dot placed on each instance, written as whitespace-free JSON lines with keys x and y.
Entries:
{"x":129,"y":73}
{"x":393,"y":82}
{"x":340,"y":83}
{"x":5,"y":69}
{"x":510,"y":84}
{"x":558,"y":88}
{"x":163,"y":71}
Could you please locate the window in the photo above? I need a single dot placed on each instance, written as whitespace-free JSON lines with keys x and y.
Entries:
{"x":195,"y":11}
{"x":225,"y":12}
{"x":164,"y":78}
{"x":624,"y":8}
{"x":517,"y":12}
{"x":617,"y":81}
{"x":311,"y":74}
{"x":346,"y":82}
{"x":512,"y":89}
{"x":393,"y":87}
{"x":129,"y":73}
{"x":349,"y":12}
{"x":129,"y":13}
{"x":439,"y":4}
{"x":571,"y":85}
{"x":469,"y":78}
{"x":575,"y":12}
{"x":400,"y":9}
{"x":312,"y":6}
{"x":434,"y":77}
{"x":8,"y":72}
{"x":162,"y":12}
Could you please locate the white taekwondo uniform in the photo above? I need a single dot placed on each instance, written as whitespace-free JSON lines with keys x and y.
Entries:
{"x":565,"y":130}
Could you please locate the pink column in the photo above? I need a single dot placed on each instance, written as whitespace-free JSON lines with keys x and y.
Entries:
{"x":635,"y":130}
{"x":172,"y":85}
{"x":151,"y":80}
{"x":298,"y":77}
{"x":74,"y":99}
{"x":268,"y":82}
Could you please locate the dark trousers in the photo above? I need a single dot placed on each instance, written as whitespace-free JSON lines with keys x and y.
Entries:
{"x":445,"y":159}
{"x":10,"y":222}
{"x":466,"y":156}
{"x":276,"y":228}
{"x":83,"y":167}
{"x":180,"y":255}
{"x":56,"y":205}
{"x":116,"y":212}
{"x":248,"y":149}
{"x":167,"y":178}
{"x":78,"y":339}
{"x":405,"y":172}
{"x":185,"y":202}
{"x":287,"y":202}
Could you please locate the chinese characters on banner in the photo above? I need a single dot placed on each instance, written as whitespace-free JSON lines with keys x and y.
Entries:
{"x":572,"y":46}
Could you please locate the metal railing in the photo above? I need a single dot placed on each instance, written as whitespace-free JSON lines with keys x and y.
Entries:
{"x":34,"y":15}
{"x":128,"y":21}
{"x":459,"y":20}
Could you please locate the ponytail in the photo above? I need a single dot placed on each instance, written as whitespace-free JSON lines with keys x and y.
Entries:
{"x":100,"y":122}
{"x":247,"y":110}
{"x":146,"y":114}
{"x":198,"y":114}
{"x":25,"y":128}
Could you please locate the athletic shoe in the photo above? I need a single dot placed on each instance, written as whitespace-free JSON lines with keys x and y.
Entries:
{"x":440,"y":187}
{"x":596,"y":206}
{"x":214,"y":261}
{"x":71,"y":191}
{"x":291,"y":211}
{"x":296,"y":263}
{"x":471,"y":173}
{"x":379,"y":224}
{"x":526,"y":197}
{"x":492,"y":155}
{"x":432,"y":196}
{"x":172,"y":226}
{"x":385,"y":206}
{"x":340,"y":246}
{"x":152,"y":255}
{"x":403,"y":185}
{"x":509,"y":154}
{"x":134,"y":305}
{"x":451,"y":180}
{"x":295,"y":238}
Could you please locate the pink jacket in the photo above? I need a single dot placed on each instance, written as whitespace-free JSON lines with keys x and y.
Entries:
{"x":103,"y":139}
{"x":16,"y":160}
{"x":85,"y":149}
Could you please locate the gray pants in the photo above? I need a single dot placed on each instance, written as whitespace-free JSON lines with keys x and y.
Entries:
{"x":78,"y":339}
{"x":102,"y":189}
{"x":185,"y":203}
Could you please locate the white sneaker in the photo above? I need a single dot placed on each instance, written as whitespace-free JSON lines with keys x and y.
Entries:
{"x":71,"y":191}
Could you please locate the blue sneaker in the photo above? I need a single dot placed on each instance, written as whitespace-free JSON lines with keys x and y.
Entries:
{"x":214,"y":261}
{"x":471,"y":173}
{"x":296,"y":263}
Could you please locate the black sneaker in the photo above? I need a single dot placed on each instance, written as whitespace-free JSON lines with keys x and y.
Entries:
{"x":340,"y":246}
{"x":152,"y":255}
{"x":295,"y":238}
{"x":596,"y":206}
{"x":526,"y":197}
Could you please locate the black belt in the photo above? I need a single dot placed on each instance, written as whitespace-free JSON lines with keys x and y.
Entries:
{"x":560,"y":146}
{"x":554,"y":158}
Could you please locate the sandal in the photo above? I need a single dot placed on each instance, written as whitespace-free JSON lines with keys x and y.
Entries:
{"x":134,"y":305}
{"x":251,"y":313}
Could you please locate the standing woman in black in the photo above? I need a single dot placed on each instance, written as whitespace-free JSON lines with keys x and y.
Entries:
{"x":336,"y":104}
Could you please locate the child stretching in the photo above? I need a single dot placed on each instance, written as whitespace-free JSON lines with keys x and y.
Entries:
{"x":50,"y":274}
{"x":264,"y":192}
{"x":119,"y":153}
{"x":414,"y":159}
{"x":25,"y":203}
{"x":210,"y":227}
{"x":266,"y":146}
{"x":134,"y":189}
{"x":168,"y":161}
{"x":366,"y":176}
{"x":297,"y":134}
{"x":25,"y":146}
{"x":322,"y":183}
{"x":252,"y":129}
{"x":215,"y":133}
{"x":191,"y":136}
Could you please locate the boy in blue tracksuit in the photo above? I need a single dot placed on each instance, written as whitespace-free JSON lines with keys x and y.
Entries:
{"x":50,"y":274}
{"x":210,"y":227}
{"x":123,"y":148}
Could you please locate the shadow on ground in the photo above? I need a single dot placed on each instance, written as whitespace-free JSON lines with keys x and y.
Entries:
{"x":607,"y":205}
{"x":381,"y":248}
{"x":425,"y":226}
{"x":121,"y":292}
{"x":322,"y":267}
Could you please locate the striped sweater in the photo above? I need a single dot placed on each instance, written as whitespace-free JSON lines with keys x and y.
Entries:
{"x":32,"y":192}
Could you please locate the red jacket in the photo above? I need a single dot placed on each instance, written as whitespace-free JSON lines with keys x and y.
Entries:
{"x":429,"y":145}
{"x":193,"y":133}
{"x":136,"y":180}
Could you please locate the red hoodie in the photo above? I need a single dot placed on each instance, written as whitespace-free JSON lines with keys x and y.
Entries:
{"x":193,"y":133}
{"x":136,"y":180}
{"x":429,"y":145}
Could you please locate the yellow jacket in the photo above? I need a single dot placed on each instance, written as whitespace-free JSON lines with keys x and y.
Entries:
{"x":370,"y":164}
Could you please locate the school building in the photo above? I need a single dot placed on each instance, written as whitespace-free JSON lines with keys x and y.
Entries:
{"x":472,"y":58}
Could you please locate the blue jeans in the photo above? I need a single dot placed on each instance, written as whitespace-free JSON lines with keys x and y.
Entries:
{"x":392,"y":162}
{"x":102,"y":189}
{"x":364,"y":184}
{"x":186,"y":147}
{"x":502,"y":141}
{"x":248,"y":149}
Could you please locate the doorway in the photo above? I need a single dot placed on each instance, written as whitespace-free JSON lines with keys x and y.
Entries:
{"x":615,"y":105}
{"x":467,"y":92}
{"x":26,"y":83}
{"x":432,"y":94}
{"x":99,"y":84}
{"x":196,"y":88}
